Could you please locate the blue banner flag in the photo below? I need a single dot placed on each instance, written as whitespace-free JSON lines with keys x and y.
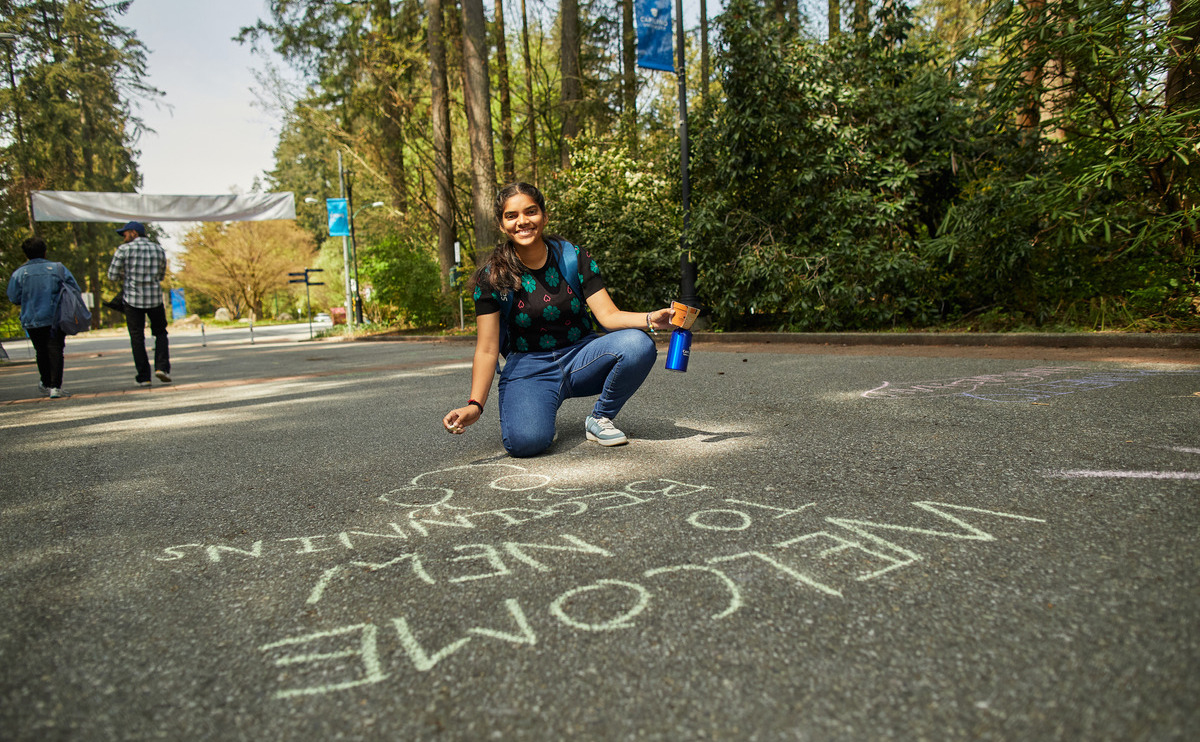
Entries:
{"x":178,"y":305}
{"x":654,"y":34}
{"x":339,"y":217}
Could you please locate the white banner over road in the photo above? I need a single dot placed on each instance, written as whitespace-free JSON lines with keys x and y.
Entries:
{"x":83,"y":206}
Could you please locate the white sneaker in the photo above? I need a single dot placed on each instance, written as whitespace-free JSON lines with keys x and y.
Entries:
{"x":55,"y":393}
{"x":602,"y":431}
{"x":163,"y":376}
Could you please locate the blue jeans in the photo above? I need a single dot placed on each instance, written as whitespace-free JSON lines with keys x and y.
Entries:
{"x":534,"y":385}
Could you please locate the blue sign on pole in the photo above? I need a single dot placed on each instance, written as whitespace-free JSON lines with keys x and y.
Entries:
{"x":654,"y":34}
{"x":178,"y":305}
{"x":339,"y":217}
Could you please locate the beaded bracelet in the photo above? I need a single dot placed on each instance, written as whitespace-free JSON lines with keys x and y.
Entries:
{"x":649,"y":326}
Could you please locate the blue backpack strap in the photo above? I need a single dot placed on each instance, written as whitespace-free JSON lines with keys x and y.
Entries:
{"x":568,"y":262}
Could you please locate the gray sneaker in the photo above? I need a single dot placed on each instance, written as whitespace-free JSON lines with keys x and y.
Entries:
{"x":602,"y":430}
{"x":59,"y":393}
{"x":43,"y":389}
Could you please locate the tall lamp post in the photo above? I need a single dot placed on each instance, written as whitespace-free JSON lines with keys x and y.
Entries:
{"x":11,"y":40}
{"x":358,"y":302}
{"x":345,"y":260}
{"x":687,"y":283}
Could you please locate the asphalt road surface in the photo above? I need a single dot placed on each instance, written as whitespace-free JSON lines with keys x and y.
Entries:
{"x":798,"y":544}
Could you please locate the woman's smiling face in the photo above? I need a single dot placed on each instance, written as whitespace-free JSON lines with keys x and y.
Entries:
{"x":523,"y":220}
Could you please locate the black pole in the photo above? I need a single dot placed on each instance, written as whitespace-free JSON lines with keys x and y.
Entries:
{"x":308,"y":304}
{"x":307,"y":281}
{"x":687,"y":281}
{"x":358,"y":312}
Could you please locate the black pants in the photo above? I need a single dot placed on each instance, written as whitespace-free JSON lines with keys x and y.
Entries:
{"x":48,"y":343}
{"x":135,"y":320}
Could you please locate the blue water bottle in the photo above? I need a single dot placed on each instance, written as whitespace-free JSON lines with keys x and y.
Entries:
{"x":680,"y":350}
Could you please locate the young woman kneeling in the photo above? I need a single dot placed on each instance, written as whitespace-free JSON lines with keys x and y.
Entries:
{"x":530,"y":296}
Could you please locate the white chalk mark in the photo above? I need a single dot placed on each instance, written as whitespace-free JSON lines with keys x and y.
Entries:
{"x":490,"y":554}
{"x":580,"y":546}
{"x":512,"y":520}
{"x":306,"y":544}
{"x":851,"y":525}
{"x":845,"y":544}
{"x":695,"y":522}
{"x":972,"y":533}
{"x":673,"y":488}
{"x":581,"y":507}
{"x":539,"y":481}
{"x":1090,"y":474}
{"x":783,"y":512}
{"x":1026,"y":385}
{"x":526,"y":635}
{"x":319,"y":589}
{"x":418,"y":568}
{"x":1181,"y":449}
{"x":421,"y":659}
{"x":175,"y":553}
{"x":798,"y":576}
{"x":554,"y":491}
{"x":619,"y":622}
{"x":344,"y":536}
{"x":460,"y":521}
{"x":417,"y":497}
{"x":367,"y":650}
{"x":417,"y":479}
{"x":867,"y":394}
{"x":214,"y":552}
{"x":629,"y":499}
{"x":735,"y":595}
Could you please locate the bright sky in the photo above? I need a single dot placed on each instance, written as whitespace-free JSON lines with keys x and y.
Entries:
{"x":213,"y":139}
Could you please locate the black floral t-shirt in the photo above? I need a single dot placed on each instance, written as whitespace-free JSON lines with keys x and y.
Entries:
{"x":546,"y":314}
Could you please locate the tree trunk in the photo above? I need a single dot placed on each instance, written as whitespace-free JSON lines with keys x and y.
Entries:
{"x":387,"y":110}
{"x":862,"y":18}
{"x":506,"y":129}
{"x":479,"y":125}
{"x":1183,"y":92}
{"x":530,"y":119}
{"x":572,"y":85}
{"x":443,"y":163}
{"x":1183,"y":75}
{"x":835,"y":18}
{"x":1030,"y":117}
{"x":703,"y":49}
{"x":629,"y":77}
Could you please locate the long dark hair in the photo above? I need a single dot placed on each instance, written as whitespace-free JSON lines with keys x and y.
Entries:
{"x":503,"y":268}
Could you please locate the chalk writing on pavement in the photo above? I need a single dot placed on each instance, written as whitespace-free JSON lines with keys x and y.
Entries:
{"x":436,"y":548}
{"x":1026,"y":385}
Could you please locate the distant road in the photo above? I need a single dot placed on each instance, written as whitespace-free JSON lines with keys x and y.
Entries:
{"x":108,"y":340}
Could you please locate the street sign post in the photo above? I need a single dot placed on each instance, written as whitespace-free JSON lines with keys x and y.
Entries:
{"x":304,"y":279}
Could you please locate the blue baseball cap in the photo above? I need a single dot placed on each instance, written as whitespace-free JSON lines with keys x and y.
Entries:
{"x":135,"y":226}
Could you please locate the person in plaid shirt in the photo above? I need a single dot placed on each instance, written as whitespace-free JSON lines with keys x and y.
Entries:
{"x":141,"y":266}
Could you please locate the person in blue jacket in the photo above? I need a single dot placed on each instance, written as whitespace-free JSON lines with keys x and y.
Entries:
{"x":36,"y":286}
{"x":531,"y":301}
